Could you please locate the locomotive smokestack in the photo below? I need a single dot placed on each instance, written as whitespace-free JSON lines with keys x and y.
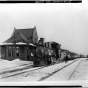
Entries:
{"x":43,"y":40}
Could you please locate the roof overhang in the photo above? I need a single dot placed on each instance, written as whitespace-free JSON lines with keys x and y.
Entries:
{"x":20,"y":43}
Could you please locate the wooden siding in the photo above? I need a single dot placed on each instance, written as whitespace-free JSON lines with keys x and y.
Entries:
{"x":11,"y":52}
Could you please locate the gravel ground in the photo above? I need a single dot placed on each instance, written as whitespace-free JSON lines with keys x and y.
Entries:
{"x":81,"y":73}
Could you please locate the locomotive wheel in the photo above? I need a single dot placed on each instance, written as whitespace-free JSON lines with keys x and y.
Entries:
{"x":42,"y":63}
{"x":49,"y":62}
{"x":36,"y":62}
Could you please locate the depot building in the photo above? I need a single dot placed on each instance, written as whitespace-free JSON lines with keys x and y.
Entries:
{"x":21,"y":44}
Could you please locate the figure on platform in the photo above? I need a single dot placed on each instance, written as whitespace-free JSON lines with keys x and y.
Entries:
{"x":66,"y":58}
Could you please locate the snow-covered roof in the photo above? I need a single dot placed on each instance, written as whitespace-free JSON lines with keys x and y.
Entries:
{"x":23,"y":35}
{"x":6,"y":44}
{"x":32,"y":44}
{"x":20,"y":43}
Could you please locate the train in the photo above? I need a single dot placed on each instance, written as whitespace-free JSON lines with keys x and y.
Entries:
{"x":49,"y":53}
{"x":46,"y":53}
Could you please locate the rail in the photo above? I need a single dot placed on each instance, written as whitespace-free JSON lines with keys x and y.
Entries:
{"x":43,"y":78}
{"x":26,"y":69}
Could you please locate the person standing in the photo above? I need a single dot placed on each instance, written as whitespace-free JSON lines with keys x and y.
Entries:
{"x":66,"y":59}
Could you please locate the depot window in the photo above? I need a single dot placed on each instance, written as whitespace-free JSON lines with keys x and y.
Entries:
{"x":9,"y":53}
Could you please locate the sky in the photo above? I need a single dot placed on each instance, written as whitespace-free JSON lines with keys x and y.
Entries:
{"x":64,"y":23}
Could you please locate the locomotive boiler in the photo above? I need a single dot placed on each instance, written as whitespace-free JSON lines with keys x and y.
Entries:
{"x":46,"y":53}
{"x":43,"y":56}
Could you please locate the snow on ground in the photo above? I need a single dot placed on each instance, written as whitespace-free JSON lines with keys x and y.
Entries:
{"x":37,"y":74}
{"x":81,"y":73}
{"x":20,"y":62}
{"x":65,"y":73}
{"x":4,"y":64}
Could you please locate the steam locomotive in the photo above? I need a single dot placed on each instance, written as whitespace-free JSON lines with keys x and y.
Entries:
{"x":46,"y":53}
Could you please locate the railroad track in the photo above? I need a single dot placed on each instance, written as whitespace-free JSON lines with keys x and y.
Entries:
{"x":43,"y":78}
{"x":62,"y":76}
{"x":74,"y":70}
{"x":10,"y":73}
{"x":30,"y":69}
